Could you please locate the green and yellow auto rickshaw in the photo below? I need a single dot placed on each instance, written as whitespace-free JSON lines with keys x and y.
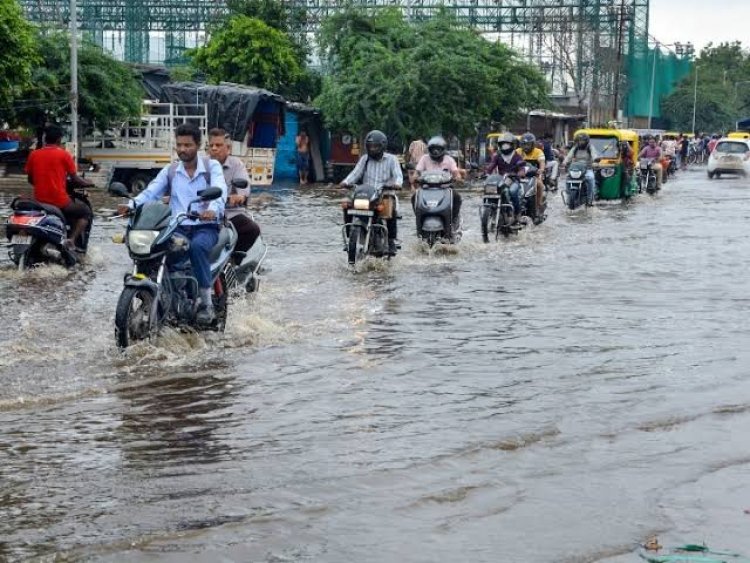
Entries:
{"x":615,"y":174}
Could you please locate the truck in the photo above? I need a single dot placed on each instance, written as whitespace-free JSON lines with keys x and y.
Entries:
{"x":134,"y":152}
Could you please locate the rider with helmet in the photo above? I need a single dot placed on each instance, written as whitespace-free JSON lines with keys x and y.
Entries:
{"x":507,"y":161}
{"x":582,"y":151}
{"x":436,"y":161}
{"x":377,"y":168}
{"x":535,"y":157}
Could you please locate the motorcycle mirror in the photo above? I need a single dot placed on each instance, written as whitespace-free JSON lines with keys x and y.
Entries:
{"x":118,"y":189}
{"x":210,"y":194}
{"x":239,"y":183}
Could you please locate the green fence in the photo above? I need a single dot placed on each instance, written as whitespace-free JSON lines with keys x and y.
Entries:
{"x":669,"y":70}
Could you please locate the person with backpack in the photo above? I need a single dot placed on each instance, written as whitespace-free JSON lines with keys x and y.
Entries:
{"x":183,"y":181}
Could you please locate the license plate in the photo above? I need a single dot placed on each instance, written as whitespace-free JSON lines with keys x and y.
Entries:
{"x":20,"y":239}
{"x":361,"y":213}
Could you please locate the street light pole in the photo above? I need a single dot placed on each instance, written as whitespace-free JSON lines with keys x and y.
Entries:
{"x":74,"y":76}
{"x":695,"y":96}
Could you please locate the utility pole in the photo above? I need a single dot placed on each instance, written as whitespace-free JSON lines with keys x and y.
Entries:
{"x":74,"y":76}
{"x":695,"y":96}
{"x":615,"y":114}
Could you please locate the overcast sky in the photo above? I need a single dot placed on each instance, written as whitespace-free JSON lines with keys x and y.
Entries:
{"x":701,"y":21}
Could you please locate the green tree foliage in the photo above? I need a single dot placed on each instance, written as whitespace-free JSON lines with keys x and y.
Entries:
{"x":18,"y":53}
{"x":723,"y":92}
{"x":107,"y":89}
{"x":248,"y":51}
{"x":417,"y":80}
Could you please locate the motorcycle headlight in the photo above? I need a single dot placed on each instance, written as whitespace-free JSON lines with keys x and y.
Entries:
{"x":608,"y":172}
{"x":139,"y":242}
{"x":490,"y":189}
{"x":362,"y":204}
{"x":576,"y":174}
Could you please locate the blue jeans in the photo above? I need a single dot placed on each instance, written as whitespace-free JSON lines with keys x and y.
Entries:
{"x":591,"y":183}
{"x":515,"y":197}
{"x":202,"y":239}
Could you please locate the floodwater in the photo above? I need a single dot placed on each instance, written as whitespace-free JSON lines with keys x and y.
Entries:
{"x":560,"y":396}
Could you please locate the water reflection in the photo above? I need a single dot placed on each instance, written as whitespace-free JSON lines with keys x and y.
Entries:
{"x":176,"y":421}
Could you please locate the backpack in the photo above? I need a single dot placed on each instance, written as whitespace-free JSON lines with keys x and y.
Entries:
{"x":173,"y":171}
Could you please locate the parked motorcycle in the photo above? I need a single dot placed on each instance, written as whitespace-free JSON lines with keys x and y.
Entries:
{"x":37,"y":233}
{"x":647,"y":176}
{"x":433,"y":208}
{"x":576,"y":188}
{"x":369,"y":208}
{"x":162,"y":288}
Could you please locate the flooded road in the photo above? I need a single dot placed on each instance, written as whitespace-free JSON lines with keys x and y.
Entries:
{"x":557,"y":397}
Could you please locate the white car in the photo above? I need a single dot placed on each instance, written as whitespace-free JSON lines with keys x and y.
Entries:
{"x":730,"y":156}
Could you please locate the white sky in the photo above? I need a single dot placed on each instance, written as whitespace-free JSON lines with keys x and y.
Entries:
{"x":700,"y":21}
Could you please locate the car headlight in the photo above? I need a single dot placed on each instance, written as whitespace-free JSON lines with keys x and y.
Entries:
{"x":362,"y":204}
{"x":576,"y":174}
{"x":608,"y":172}
{"x":139,"y":242}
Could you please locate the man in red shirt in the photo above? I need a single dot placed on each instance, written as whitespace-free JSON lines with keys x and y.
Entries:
{"x":48,"y":169}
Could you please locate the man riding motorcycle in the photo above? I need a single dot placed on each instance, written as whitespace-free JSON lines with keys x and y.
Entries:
{"x":377,"y":168}
{"x":507,"y":161}
{"x":535,"y":157}
{"x":582,"y":151}
{"x":48,"y":169}
{"x":435,"y":161}
{"x":652,"y":152}
{"x":190,"y":176}
{"x":553,"y":166}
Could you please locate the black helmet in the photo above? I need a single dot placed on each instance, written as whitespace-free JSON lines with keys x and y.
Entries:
{"x":437,"y":147}
{"x":528,"y":142}
{"x":505,"y":143}
{"x":375,"y":143}
{"x":582,"y":139}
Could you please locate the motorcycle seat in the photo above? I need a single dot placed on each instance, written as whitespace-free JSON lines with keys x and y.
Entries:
{"x":223,"y":242}
{"x":31,"y":205}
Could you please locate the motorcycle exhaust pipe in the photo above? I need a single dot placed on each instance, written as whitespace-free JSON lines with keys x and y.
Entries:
{"x":51,"y":252}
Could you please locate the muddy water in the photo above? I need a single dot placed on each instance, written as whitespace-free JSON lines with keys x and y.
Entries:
{"x":556,"y":397}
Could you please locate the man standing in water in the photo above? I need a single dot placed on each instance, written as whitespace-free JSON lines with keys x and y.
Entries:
{"x":182,"y":181}
{"x":303,"y":156}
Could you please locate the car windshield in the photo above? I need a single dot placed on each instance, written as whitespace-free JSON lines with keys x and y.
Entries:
{"x":605,"y":147}
{"x":732,"y":147}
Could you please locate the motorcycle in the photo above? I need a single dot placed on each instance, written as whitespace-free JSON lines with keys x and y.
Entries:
{"x":576,"y":188}
{"x":367,"y":234}
{"x":647,"y":175}
{"x":248,"y":264}
{"x":162,"y":289}
{"x":37,"y":233}
{"x":496,"y":212}
{"x":433,"y":208}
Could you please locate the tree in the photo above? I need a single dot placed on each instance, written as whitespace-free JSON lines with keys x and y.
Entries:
{"x":720,"y":101}
{"x":248,"y":51}
{"x":107,"y":89}
{"x":18,"y":53}
{"x":421,"y":79}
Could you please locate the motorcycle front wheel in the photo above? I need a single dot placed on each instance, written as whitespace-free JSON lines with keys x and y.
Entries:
{"x":485,"y":220}
{"x":354,"y":251}
{"x":133,"y":316}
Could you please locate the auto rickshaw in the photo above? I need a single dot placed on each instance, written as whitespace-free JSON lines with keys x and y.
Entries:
{"x":739,"y":135}
{"x":613,"y":180}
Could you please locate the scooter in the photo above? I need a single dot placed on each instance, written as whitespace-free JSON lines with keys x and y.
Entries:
{"x":162,"y":289}
{"x":37,"y":233}
{"x":433,"y":208}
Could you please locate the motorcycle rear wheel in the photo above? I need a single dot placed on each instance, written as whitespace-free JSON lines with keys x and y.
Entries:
{"x":133,"y":321}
